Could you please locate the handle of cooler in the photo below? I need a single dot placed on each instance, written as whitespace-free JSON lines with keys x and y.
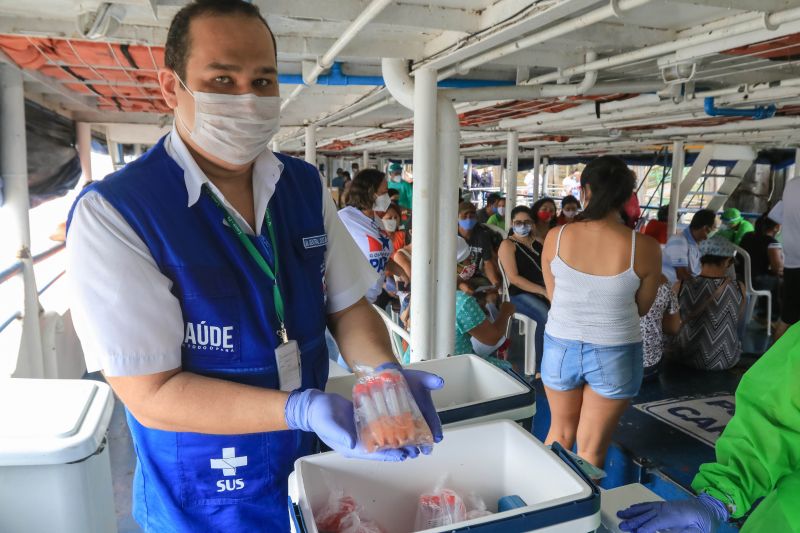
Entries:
{"x":297,"y":517}
{"x":516,"y":375}
{"x":559,"y":450}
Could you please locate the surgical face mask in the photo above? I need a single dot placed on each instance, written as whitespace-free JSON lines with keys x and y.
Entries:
{"x":235,"y":128}
{"x":390,"y":224}
{"x":466,"y":272}
{"x":544,"y":216}
{"x":523,"y":229}
{"x":395,"y":178}
{"x":467,"y":224}
{"x":570,"y":213}
{"x":501,"y":211}
{"x":382,"y":203}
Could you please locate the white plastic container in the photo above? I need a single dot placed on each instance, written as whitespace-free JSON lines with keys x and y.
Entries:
{"x":475,"y":390}
{"x":493,"y":459}
{"x":55,"y":473}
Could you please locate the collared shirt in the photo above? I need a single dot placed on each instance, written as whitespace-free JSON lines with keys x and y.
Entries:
{"x":127,"y":319}
{"x":681,"y":251}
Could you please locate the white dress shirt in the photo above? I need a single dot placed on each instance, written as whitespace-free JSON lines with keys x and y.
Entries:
{"x":128,"y":321}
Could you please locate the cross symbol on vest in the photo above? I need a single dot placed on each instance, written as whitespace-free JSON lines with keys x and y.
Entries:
{"x":229,"y":462}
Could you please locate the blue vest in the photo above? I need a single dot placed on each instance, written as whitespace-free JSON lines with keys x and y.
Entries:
{"x":198,"y":482}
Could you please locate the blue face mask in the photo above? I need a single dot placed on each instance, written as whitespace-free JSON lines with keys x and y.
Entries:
{"x":523,"y":230}
{"x":467,"y":224}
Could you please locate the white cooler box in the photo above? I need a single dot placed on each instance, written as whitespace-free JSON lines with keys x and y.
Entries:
{"x":493,"y":459}
{"x":474,"y":390}
{"x":55,"y":473}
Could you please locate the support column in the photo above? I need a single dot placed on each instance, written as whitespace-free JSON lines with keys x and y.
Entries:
{"x":469,"y":173}
{"x":512,"y":166}
{"x":449,"y":178}
{"x":83,"y":131}
{"x":545,"y":176}
{"x":364,"y":160}
{"x":311,"y":145}
{"x":14,"y":169}
{"x":537,"y":176}
{"x":796,"y":164}
{"x":424,"y":200}
{"x":678,"y":161}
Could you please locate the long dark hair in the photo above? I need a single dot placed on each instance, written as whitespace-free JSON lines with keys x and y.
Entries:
{"x":364,"y":187}
{"x":538,"y":205}
{"x":611,"y":183}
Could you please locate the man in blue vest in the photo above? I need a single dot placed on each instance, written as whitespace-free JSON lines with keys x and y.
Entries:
{"x":203,"y":277}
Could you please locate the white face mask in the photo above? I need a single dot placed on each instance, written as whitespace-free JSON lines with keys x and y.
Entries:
{"x":382,"y":203}
{"x":235,"y":128}
{"x":389,"y":224}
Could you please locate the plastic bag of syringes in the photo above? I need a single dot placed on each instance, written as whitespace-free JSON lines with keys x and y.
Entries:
{"x":386,"y":414}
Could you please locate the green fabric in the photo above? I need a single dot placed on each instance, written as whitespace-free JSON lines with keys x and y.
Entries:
{"x":469,"y":315}
{"x":735,"y":236}
{"x":406,"y":192}
{"x":497,"y":220}
{"x":758,"y":454}
{"x":731,"y":215}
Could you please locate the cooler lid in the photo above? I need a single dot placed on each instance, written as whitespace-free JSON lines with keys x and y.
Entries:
{"x":51,"y":421}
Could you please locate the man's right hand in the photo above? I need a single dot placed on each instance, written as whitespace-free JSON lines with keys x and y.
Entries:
{"x":331,"y":417}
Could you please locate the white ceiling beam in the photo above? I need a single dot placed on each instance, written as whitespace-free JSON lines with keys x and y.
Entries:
{"x":122,"y":117}
{"x":424,"y":17}
{"x":537,"y":19}
{"x":292,"y":47}
{"x":745,"y":5}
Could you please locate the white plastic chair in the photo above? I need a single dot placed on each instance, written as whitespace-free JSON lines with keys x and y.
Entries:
{"x":754,"y":294}
{"x":396,"y":333}
{"x":527,"y":328}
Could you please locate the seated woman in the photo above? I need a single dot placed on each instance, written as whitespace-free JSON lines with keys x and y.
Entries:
{"x":569,"y":210}
{"x":766,"y":259}
{"x":521,"y":259}
{"x":543,"y":212}
{"x":663,"y":317}
{"x":471,"y":321}
{"x":391,"y":221}
{"x":657,"y":227}
{"x":711,"y":305}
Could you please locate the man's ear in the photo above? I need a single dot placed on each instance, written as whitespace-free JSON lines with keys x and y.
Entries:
{"x":168,"y":82}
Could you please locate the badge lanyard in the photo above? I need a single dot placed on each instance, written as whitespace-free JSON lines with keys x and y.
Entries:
{"x":259,"y":259}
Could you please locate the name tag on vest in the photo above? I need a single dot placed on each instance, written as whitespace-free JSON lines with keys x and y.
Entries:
{"x":315,"y":242}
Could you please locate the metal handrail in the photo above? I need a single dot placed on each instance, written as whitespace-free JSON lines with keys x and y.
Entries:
{"x":16,"y":268}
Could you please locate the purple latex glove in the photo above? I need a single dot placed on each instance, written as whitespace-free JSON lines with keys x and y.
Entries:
{"x":704,"y":513}
{"x":421,"y":384}
{"x":331,"y":417}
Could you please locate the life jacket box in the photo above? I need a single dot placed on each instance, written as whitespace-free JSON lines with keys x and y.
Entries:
{"x":492,"y":459}
{"x":55,"y":472}
{"x":474,"y":390}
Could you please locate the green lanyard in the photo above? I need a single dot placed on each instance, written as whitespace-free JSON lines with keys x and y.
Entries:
{"x":259,"y":259}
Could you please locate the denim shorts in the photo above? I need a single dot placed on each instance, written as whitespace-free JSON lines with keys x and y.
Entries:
{"x":614,"y":372}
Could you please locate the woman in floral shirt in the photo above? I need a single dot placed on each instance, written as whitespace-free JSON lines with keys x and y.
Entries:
{"x":663,"y":317}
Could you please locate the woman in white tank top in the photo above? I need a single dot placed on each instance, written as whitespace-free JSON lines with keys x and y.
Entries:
{"x":600,"y":277}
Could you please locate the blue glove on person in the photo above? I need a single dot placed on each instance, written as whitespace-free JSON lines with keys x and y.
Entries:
{"x":421,"y":384}
{"x":703,"y":513}
{"x":331,"y":417}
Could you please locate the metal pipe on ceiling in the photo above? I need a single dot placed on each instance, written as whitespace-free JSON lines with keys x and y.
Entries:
{"x":326,"y":61}
{"x":614,"y":8}
{"x":769,"y":21}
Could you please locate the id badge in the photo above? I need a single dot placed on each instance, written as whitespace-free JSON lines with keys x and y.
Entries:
{"x":287,"y":356}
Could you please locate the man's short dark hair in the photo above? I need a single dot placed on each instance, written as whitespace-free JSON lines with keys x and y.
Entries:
{"x":492,"y":198}
{"x":176,"y":49}
{"x":703,"y":218}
